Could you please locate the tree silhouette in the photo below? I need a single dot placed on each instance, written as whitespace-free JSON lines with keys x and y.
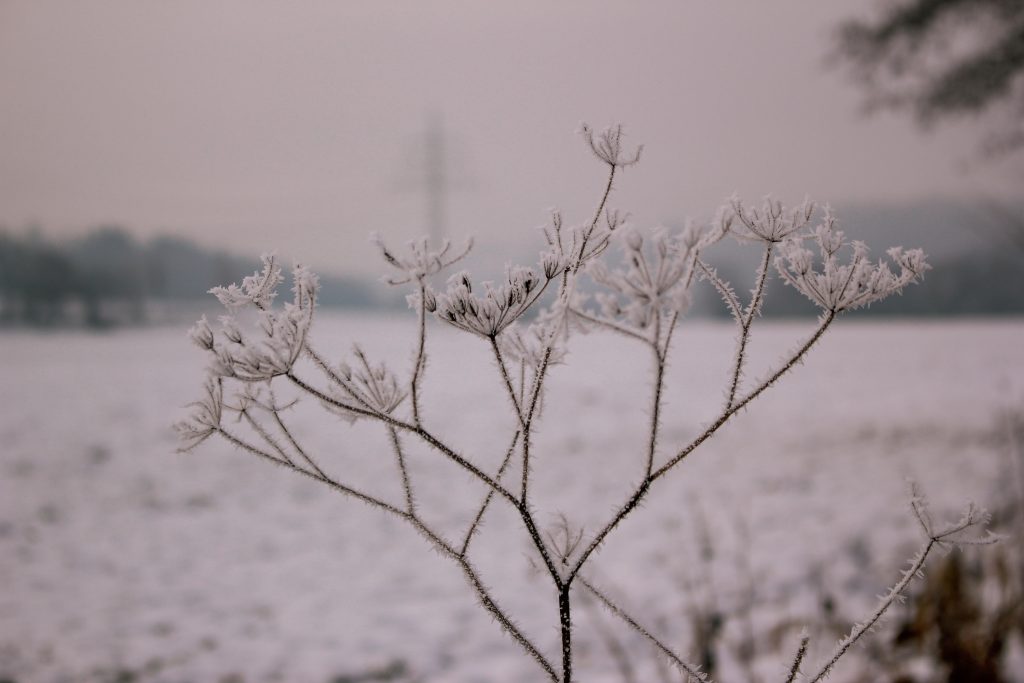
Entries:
{"x":944,"y":59}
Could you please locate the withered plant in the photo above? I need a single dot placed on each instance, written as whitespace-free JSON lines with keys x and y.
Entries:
{"x":527,"y":320}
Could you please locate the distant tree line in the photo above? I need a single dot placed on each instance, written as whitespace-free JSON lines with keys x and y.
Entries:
{"x":108,"y":278}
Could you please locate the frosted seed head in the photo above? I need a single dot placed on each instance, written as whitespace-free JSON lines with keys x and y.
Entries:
{"x":607,"y":146}
{"x":429,"y":300}
{"x":634,"y":240}
{"x":258,"y":289}
{"x":201,"y":334}
{"x":204,"y":418}
{"x":230,"y":329}
{"x":552,"y":264}
{"x":420,"y":260}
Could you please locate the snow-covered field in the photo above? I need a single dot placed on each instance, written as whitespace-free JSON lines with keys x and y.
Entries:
{"x":119,"y":555}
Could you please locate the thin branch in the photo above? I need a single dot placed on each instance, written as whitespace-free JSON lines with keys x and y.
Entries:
{"x":347,"y":490}
{"x":746,"y":321}
{"x":291,"y":439}
{"x":535,"y":389}
{"x":421,"y":358}
{"x":396,"y":445}
{"x":492,"y":607}
{"x":616,"y":650}
{"x":683,"y":666}
{"x":659,"y":383}
{"x":801,"y":652}
{"x":667,"y":343}
{"x":344,"y":384}
{"x":459,"y":460}
{"x":724,"y":290}
{"x":620,"y":515}
{"x":488,"y":496}
{"x":270,"y":441}
{"x":446,"y":549}
{"x":356,"y":410}
{"x":638,"y":494}
{"x":793,"y":360}
{"x":972,"y":517}
{"x":860,"y":629}
{"x":565,"y":295}
{"x":608,"y":324}
{"x":322,"y":364}
{"x":419,"y":431}
{"x":520,"y":506}
{"x":507,"y":379}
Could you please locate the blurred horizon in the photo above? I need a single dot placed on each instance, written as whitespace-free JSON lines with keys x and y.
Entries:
{"x":110,"y":276}
{"x":259,"y":127}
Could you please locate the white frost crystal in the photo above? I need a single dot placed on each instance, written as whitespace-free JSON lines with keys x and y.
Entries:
{"x":836,"y":286}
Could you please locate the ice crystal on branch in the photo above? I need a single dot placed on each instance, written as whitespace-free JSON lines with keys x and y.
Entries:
{"x":258,"y":289}
{"x":583,"y":243}
{"x":500,"y":305}
{"x":372,"y":388}
{"x":772,"y":222}
{"x":607,"y":146}
{"x":421,"y":261}
{"x":528,"y":345}
{"x":657,"y":275}
{"x":204,"y":419}
{"x":648,"y":285}
{"x":837,"y":286}
{"x":273,"y":345}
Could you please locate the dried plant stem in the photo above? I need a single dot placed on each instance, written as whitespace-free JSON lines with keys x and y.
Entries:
{"x":435,"y":539}
{"x":666,"y":344}
{"x":788,"y":365}
{"x":753,"y":309}
{"x":860,"y":629}
{"x":342,"y":488}
{"x":601,"y":204}
{"x":499,"y":358}
{"x":659,"y":384}
{"x":677,"y":661}
{"x":641,"y":490}
{"x":618,"y":652}
{"x":723,"y":288}
{"x":489,"y":496}
{"x":421,"y":357}
{"x":506,"y":623}
{"x":291,"y":439}
{"x":405,"y":426}
{"x":396,"y":445}
{"x":609,"y":325}
{"x":801,"y":652}
{"x":655,"y":293}
{"x":267,"y":438}
{"x":565,"y":623}
{"x":521,"y":506}
{"x":563,"y":585}
{"x":531,"y":411}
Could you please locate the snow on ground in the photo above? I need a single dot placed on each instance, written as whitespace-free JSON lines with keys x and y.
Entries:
{"x":119,"y":555}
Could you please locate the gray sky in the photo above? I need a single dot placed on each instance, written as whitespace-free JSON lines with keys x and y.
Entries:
{"x":295,"y":125}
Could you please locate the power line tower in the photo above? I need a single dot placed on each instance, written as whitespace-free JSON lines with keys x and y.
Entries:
{"x":432,"y":172}
{"x":435,"y":178}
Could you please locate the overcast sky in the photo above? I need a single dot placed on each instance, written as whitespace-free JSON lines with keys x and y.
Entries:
{"x":298,"y":126}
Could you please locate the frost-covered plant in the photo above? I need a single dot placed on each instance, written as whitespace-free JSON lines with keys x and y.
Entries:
{"x":645,"y":296}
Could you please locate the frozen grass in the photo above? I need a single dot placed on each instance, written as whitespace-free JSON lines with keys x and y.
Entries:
{"x":117,"y":553}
